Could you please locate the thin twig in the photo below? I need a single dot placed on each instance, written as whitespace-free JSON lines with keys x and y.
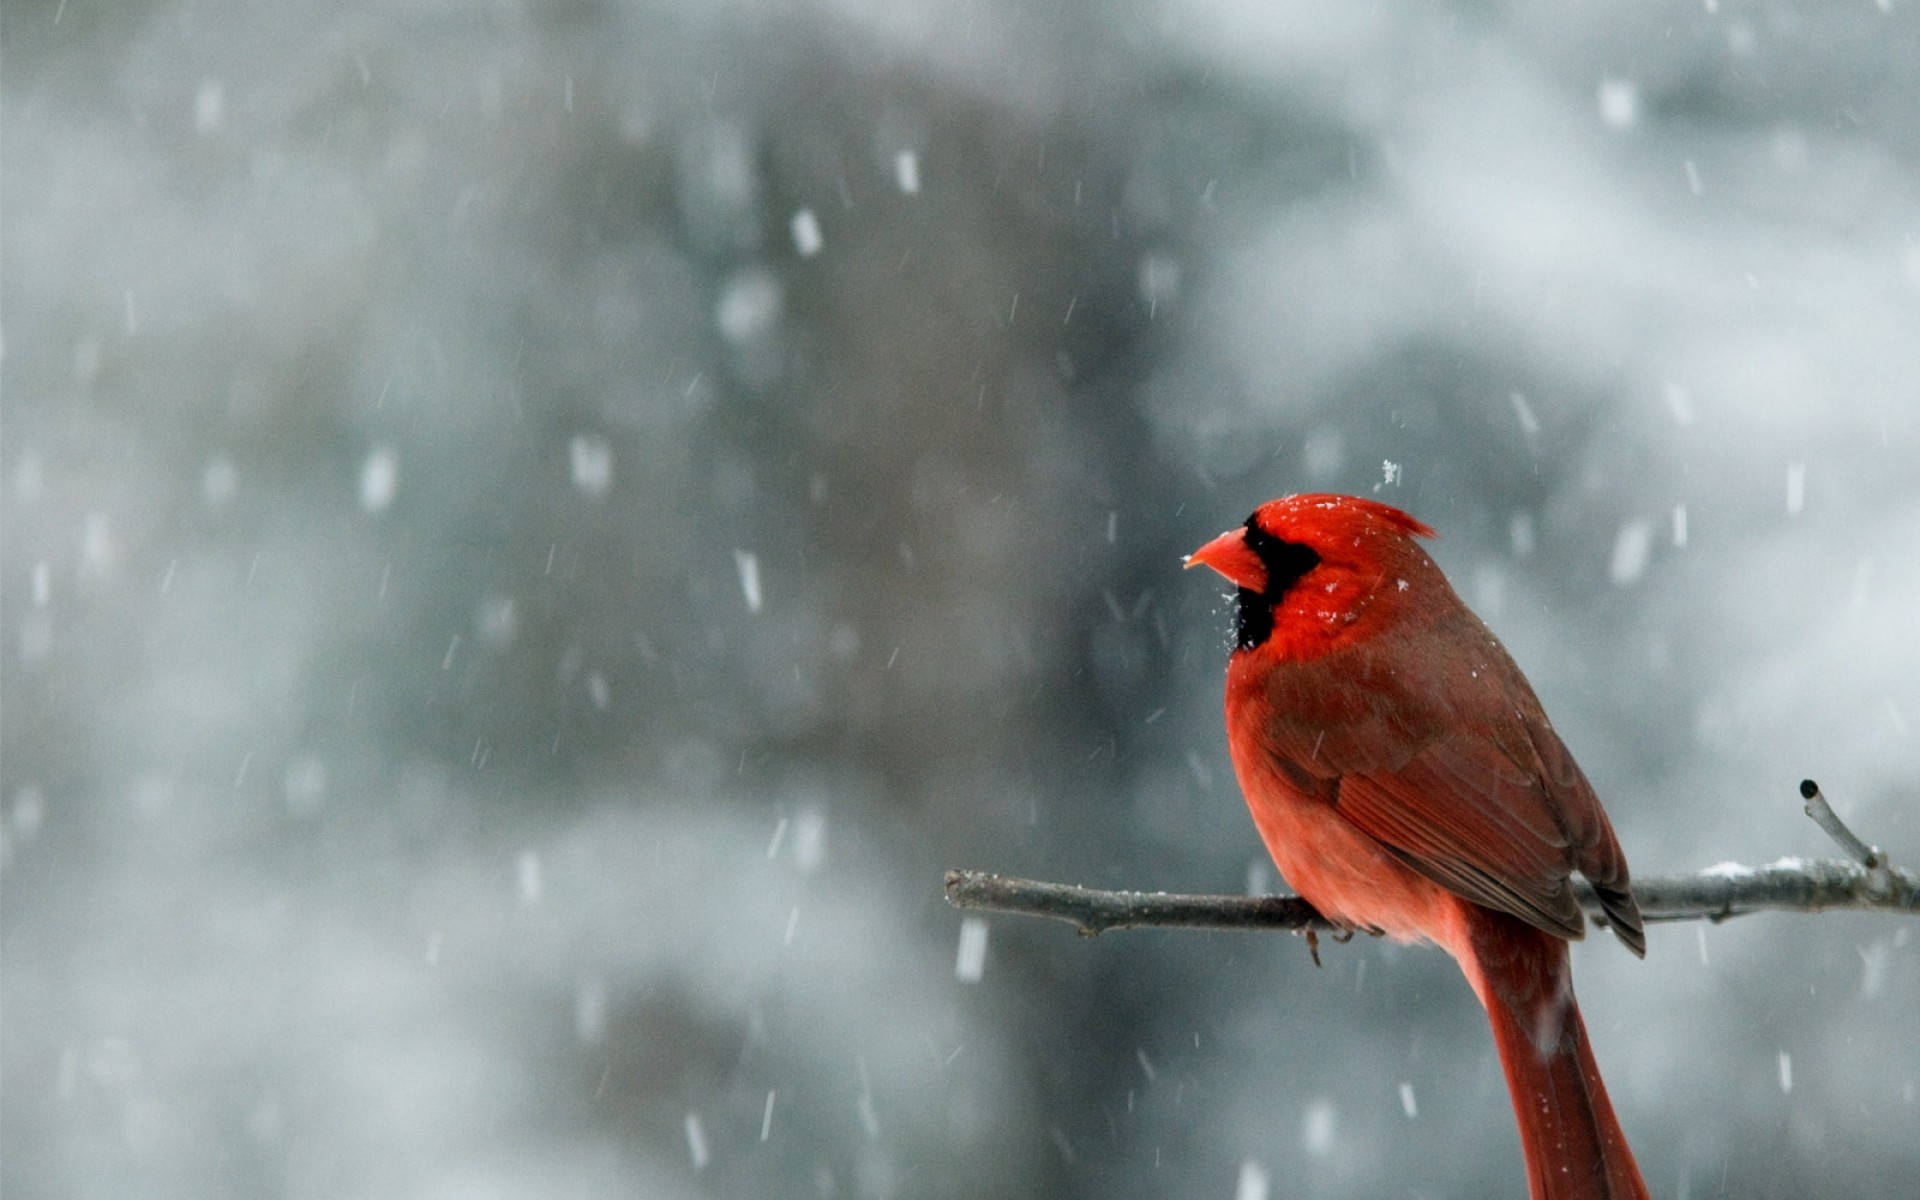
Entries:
{"x":1719,"y":892}
{"x":1823,"y":815}
{"x":1095,"y":911}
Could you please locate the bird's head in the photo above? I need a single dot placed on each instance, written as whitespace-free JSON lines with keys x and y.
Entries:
{"x":1314,"y":565}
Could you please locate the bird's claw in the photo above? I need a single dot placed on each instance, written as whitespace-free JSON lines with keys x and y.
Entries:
{"x":1339,"y":933}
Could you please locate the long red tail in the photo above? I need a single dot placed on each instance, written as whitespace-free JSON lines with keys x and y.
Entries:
{"x":1574,"y":1147}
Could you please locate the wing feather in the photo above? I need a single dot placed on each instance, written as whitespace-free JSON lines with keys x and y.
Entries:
{"x":1450,"y":761}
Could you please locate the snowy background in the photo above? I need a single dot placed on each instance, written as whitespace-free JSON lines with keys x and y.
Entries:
{"x":534,"y":533}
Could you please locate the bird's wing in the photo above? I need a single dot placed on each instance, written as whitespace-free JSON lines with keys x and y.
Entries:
{"x":1466,"y":816}
{"x":1450,"y":762}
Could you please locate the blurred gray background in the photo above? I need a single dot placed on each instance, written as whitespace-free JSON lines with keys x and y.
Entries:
{"x":534,"y":533}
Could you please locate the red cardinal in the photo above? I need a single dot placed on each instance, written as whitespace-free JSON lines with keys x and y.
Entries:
{"x":1407,"y":781}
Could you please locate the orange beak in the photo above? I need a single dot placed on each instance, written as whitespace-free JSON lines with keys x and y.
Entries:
{"x":1230,"y":555}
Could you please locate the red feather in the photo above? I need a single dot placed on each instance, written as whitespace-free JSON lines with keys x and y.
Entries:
{"x":1406,"y":779}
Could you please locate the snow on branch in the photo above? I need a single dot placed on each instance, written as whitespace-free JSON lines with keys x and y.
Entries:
{"x":1719,"y":892}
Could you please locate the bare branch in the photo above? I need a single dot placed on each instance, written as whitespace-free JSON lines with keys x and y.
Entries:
{"x":1728,"y":890}
{"x":1719,"y":892}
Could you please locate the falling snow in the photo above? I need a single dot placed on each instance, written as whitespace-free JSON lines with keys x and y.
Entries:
{"x":29,"y":812}
{"x":1523,"y":412}
{"x":1679,"y":404}
{"x":809,"y":839}
{"x":696,"y":1141}
{"x":1520,"y":534}
{"x":496,"y":621}
{"x":209,"y":107}
{"x":1875,"y":959}
{"x":590,"y":462}
{"x":219,"y":482}
{"x":863,"y":1104}
{"x":1259,"y":878}
{"x":1324,"y":454}
{"x":1253,"y":1181}
{"x":807,"y":238}
{"x":1158,"y":280}
{"x":99,"y":550}
{"x":590,"y":1001}
{"x":749,"y":307}
{"x":748,"y":566}
{"x":1318,"y":1126}
{"x":970,"y":962}
{"x":1619,"y":103}
{"x":1632,"y":549}
{"x":304,"y":785}
{"x":528,"y":874}
{"x":379,"y":479}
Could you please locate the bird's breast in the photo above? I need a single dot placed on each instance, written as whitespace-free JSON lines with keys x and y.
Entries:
{"x":1344,"y":872}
